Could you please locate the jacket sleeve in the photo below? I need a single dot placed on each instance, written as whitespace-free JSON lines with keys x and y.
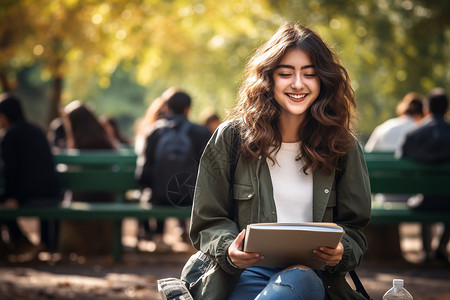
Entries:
{"x":212,"y":231}
{"x":353,"y":209}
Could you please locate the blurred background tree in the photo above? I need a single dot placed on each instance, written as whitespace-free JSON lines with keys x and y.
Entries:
{"x":120,"y":55}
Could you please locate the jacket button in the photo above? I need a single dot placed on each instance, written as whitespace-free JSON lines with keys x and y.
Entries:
{"x":326,"y":191}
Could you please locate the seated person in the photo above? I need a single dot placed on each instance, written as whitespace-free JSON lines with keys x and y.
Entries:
{"x":29,"y":173}
{"x":389,"y":136}
{"x":430,"y":143}
{"x":85,"y":132}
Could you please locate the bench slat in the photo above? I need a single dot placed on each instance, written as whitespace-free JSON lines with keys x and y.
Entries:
{"x":99,"y":180}
{"x":83,"y":211}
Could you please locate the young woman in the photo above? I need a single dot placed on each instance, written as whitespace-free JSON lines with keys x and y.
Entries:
{"x":83,"y":128}
{"x":85,"y":132}
{"x":298,"y":162}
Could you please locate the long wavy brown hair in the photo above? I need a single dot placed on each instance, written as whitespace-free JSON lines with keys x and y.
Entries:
{"x":83,"y":129}
{"x":326,"y":132}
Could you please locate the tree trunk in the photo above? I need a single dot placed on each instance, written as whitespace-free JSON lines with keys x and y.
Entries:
{"x":55,"y":101}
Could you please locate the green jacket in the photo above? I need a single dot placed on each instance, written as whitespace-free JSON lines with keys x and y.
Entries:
{"x":346,"y":203}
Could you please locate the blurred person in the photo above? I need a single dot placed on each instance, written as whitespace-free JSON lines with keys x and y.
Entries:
{"x":430,"y":143}
{"x":84,"y":132}
{"x":157,"y":110}
{"x":389,"y":136}
{"x":113,"y":130}
{"x":211,"y":122}
{"x":83,"y":129}
{"x":29,"y":175}
{"x":155,"y":173}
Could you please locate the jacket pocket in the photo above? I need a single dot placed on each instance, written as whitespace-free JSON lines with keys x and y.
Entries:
{"x":243,"y":192}
{"x":242,"y":195}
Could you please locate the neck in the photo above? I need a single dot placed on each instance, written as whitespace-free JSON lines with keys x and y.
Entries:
{"x":417,"y":118}
{"x":289,"y":129}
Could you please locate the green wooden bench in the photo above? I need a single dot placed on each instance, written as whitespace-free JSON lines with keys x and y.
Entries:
{"x":391,"y":175}
{"x":111,"y":171}
{"x":114,"y":171}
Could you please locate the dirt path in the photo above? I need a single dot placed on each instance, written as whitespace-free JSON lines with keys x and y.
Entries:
{"x":77,"y":277}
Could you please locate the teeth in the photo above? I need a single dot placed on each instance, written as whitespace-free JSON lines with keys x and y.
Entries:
{"x":297,"y":96}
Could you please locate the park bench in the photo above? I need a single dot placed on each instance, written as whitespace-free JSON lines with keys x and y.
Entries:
{"x":111,"y":171}
{"x":391,"y":175}
{"x":114,"y":171}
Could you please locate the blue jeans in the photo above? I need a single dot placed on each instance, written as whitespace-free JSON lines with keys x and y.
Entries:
{"x":263,"y":283}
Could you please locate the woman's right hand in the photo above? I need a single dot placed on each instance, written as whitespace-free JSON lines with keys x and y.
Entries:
{"x":240,"y":258}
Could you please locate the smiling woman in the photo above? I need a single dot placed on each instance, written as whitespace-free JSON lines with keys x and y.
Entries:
{"x":292,"y":121}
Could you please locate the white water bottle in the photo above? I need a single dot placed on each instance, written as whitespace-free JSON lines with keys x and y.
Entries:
{"x":397,"y":292}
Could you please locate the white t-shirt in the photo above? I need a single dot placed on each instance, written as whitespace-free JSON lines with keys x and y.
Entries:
{"x":292,"y":188}
{"x":390,"y":135}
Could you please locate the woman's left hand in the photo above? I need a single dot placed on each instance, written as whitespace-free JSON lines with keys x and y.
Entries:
{"x":329,"y":256}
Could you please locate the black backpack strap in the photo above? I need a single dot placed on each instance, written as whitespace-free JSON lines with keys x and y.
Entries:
{"x":233,"y":163}
{"x":359,"y":287}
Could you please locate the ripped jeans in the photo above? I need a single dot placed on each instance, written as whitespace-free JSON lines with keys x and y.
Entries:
{"x":261,"y":283}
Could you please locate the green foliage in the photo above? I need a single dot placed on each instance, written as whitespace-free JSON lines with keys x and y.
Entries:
{"x":120,"y":55}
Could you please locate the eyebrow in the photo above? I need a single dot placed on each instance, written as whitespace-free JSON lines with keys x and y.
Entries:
{"x":292,"y":67}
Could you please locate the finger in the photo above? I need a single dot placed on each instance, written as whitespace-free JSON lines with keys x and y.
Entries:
{"x":245,"y":259}
{"x":328,"y":251}
{"x":235,"y":245}
{"x":336,"y":252}
{"x":245,"y":263}
{"x":240,"y":258}
{"x":330,"y":260}
{"x":240,"y":240}
{"x":323,"y":257}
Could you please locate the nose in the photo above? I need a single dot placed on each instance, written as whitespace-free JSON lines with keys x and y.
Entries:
{"x":297,"y":82}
